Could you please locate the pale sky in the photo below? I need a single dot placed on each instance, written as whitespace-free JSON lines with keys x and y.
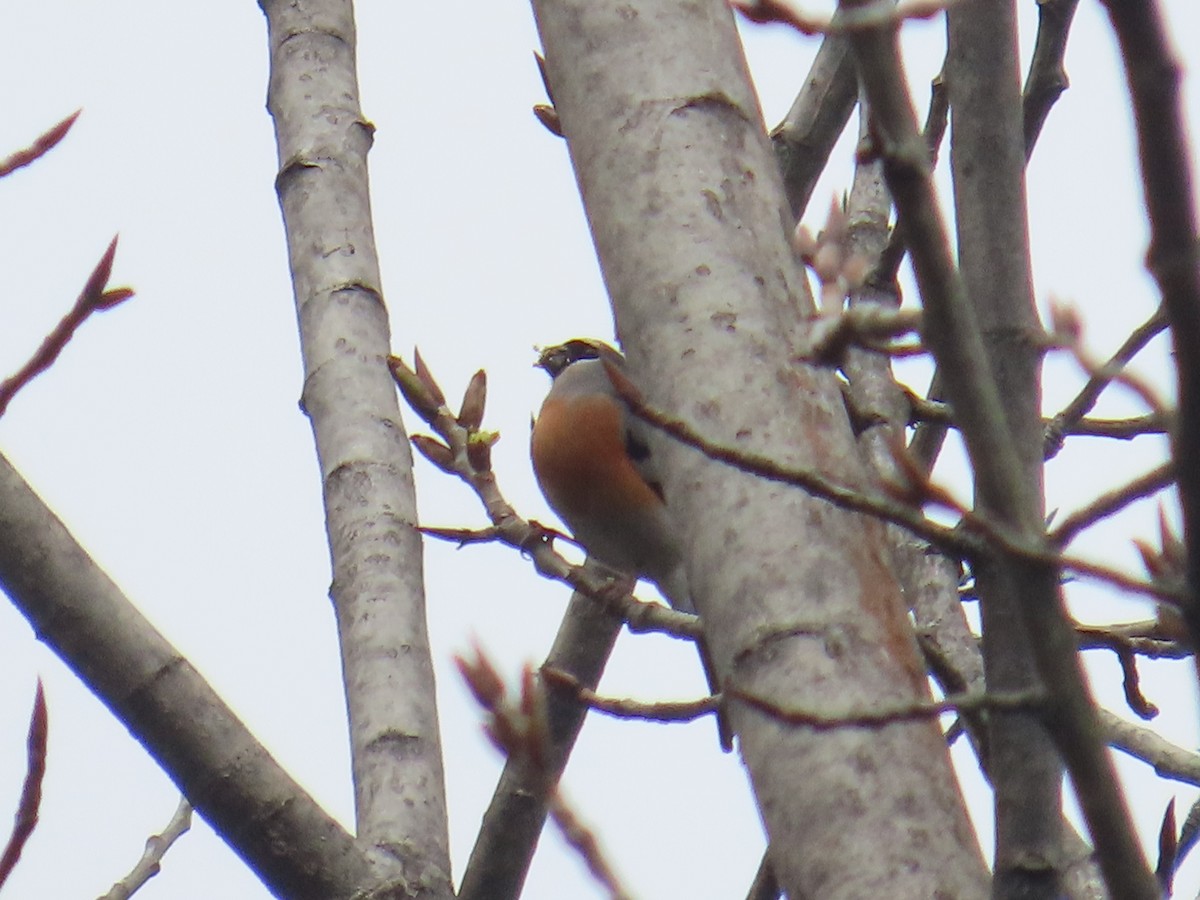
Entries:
{"x":169,"y":440}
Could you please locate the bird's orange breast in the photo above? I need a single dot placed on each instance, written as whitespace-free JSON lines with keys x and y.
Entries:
{"x":579,"y":457}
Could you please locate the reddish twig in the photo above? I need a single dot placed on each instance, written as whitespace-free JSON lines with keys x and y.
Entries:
{"x":890,"y":713}
{"x":39,"y":148}
{"x":31,"y":792}
{"x":520,"y":730}
{"x":95,"y":297}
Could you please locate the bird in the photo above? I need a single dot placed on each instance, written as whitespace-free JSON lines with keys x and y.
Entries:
{"x":592,"y":461}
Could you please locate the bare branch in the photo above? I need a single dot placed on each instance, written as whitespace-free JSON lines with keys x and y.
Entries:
{"x":887,"y":714}
{"x":981,"y":537}
{"x":40,"y":147}
{"x":1174,"y":256}
{"x":528,"y":537}
{"x":1111,"y":502}
{"x":1147,"y":639}
{"x":1146,"y":744}
{"x":519,"y":730}
{"x":626,"y":708}
{"x":936,"y":411}
{"x":509,"y":832}
{"x":95,"y":297}
{"x":952,"y":332}
{"x":26,"y":817}
{"x":76,"y":609}
{"x":1085,"y":400}
{"x":808,"y":133}
{"x":1047,"y":77}
{"x":156,"y":848}
{"x":872,"y":14}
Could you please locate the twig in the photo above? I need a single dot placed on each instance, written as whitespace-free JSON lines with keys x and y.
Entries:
{"x":1047,"y":77}
{"x":840,"y":495}
{"x":861,"y":326}
{"x":510,"y":828}
{"x":924,"y":410}
{"x":156,"y":848}
{"x":40,"y":147}
{"x":934,"y":130}
{"x":1121,"y":429}
{"x":519,"y":730}
{"x":1111,"y":502}
{"x":583,"y":840}
{"x":94,"y":297}
{"x":1046,"y":81}
{"x":816,"y":119}
{"x":641,"y":616}
{"x":890,"y":713}
{"x":466,"y":454}
{"x":1146,"y":639}
{"x":1168,"y":850}
{"x":1085,"y":400}
{"x":979,"y":536}
{"x":26,"y":817}
{"x":1146,"y":744}
{"x":625,"y":708}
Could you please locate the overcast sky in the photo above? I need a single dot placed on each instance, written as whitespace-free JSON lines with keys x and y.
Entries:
{"x":169,"y":440}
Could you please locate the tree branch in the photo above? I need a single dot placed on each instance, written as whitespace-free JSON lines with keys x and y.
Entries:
{"x":278,"y":830}
{"x":366,"y":464}
{"x":509,"y":832}
{"x":952,"y":332}
{"x":1112,"y":502}
{"x":1174,"y":255}
{"x":808,"y":133}
{"x":1066,"y":420}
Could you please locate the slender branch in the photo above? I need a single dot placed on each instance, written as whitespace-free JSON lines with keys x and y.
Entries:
{"x":520,"y":730}
{"x":625,"y":708}
{"x":640,"y":615}
{"x":156,"y":848}
{"x":1047,"y":77}
{"x":888,"y":714}
{"x":1121,"y":429}
{"x":1173,"y":258}
{"x":871,"y":14}
{"x":40,"y":147}
{"x":95,"y":297}
{"x":31,"y":790}
{"x":936,"y":119}
{"x":1147,"y":639}
{"x":1063,"y":423}
{"x":953,"y":333}
{"x":978,"y":539}
{"x":923,"y":410}
{"x":1045,"y":82}
{"x":1146,"y":744}
{"x":1112,"y":502}
{"x":509,"y":832}
{"x":808,"y":133}
{"x":841,"y":495}
{"x":377,"y":590}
